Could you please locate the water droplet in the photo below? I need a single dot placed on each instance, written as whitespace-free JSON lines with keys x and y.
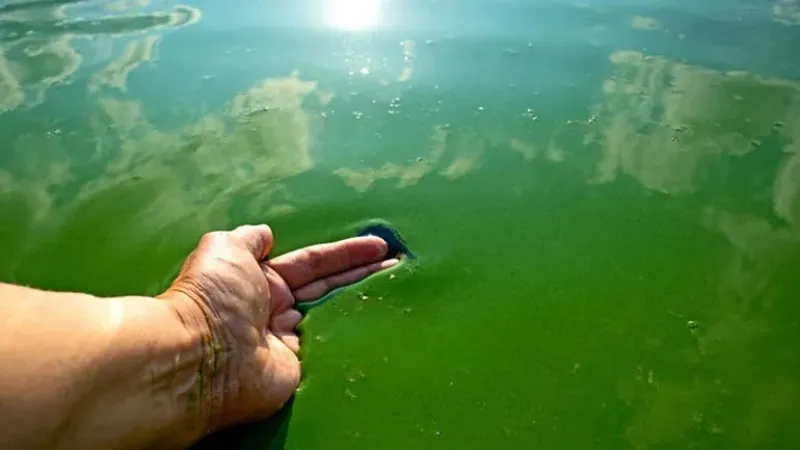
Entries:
{"x":364,"y":71}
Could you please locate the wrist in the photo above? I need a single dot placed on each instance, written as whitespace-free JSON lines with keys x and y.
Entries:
{"x":180,"y":372}
{"x":152,"y":382}
{"x":206,"y":340}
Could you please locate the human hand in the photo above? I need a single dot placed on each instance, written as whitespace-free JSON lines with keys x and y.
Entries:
{"x":244,"y":307}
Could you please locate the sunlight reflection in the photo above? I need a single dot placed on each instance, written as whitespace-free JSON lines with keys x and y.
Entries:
{"x":354,"y":15}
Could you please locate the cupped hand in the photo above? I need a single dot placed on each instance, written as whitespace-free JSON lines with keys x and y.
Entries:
{"x":243,"y":304}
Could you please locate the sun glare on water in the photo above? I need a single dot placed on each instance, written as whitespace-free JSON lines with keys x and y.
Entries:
{"x":354,"y":15}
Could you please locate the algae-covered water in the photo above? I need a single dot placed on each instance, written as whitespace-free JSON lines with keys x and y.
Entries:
{"x":604,"y":198}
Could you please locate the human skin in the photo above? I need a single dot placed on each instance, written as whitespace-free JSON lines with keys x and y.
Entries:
{"x":217,"y":348}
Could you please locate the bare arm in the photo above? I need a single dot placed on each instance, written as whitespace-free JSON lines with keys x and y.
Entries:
{"x":87,"y":372}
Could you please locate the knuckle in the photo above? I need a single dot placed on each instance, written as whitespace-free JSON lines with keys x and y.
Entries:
{"x":213,"y":237}
{"x":325,"y":285}
{"x":315,"y":258}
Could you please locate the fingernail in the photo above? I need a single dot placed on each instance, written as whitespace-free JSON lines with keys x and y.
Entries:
{"x":389,"y":263}
{"x":384,"y":248}
{"x":379,"y":250}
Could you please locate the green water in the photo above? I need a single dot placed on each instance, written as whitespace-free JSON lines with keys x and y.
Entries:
{"x":605,"y":199}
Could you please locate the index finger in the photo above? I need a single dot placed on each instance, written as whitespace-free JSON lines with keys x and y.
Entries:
{"x":308,"y":264}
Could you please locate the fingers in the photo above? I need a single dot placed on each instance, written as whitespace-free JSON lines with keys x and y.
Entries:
{"x":257,"y":239}
{"x":286,"y":321}
{"x":316,"y":262}
{"x":283,"y":325}
{"x":318,"y":288}
{"x":281,"y":297}
{"x":291,"y":340}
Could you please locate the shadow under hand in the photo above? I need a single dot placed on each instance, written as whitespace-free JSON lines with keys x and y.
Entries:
{"x":269,"y":434}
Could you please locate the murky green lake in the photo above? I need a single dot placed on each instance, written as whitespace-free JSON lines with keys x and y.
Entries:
{"x":604,"y":197}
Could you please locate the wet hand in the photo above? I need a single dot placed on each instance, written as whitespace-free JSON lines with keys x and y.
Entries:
{"x":243,"y":306}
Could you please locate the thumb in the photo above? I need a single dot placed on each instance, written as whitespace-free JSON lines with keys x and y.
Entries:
{"x":257,"y":239}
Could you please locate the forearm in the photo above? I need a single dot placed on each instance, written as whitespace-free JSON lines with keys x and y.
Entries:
{"x":87,"y":372}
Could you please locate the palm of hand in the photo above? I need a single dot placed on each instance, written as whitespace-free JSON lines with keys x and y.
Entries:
{"x":248,"y":304}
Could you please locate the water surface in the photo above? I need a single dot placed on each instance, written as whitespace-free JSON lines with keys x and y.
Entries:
{"x":604,"y":198}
